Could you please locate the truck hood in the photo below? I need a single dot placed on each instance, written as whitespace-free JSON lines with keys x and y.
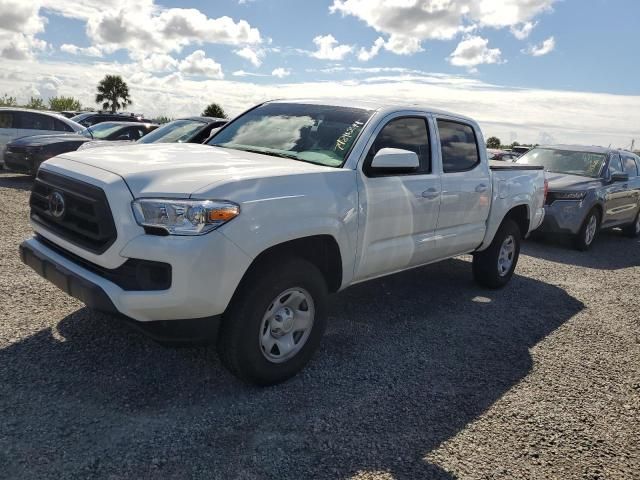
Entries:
{"x":179,"y":170}
{"x":565,"y":181}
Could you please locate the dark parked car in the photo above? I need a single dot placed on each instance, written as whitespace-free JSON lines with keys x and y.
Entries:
{"x":70,"y":113}
{"x":590,"y":188}
{"x":184,"y":130}
{"x":503,"y":155}
{"x":92,"y":118}
{"x":520,"y":150}
{"x":27,"y":153}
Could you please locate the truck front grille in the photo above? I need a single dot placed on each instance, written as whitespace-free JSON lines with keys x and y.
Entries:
{"x":74,"y":210}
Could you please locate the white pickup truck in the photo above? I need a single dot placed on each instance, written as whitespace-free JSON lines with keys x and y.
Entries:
{"x":289,"y":202}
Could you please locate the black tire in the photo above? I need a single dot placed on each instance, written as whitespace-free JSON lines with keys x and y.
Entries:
{"x":239,"y":339}
{"x":581,"y":241}
{"x":486,"y":267}
{"x":633,"y":230}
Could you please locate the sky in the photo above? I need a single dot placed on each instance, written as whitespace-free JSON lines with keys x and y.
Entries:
{"x":543,"y":71}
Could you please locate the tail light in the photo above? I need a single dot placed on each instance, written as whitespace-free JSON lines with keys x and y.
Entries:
{"x":546,"y":191}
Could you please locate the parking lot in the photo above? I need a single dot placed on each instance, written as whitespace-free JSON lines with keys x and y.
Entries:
{"x":420,"y":375}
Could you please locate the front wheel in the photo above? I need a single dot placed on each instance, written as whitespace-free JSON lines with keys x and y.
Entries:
{"x":275,"y":322}
{"x":588,"y":232}
{"x":494,"y":267}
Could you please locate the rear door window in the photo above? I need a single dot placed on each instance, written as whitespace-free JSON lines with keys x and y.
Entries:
{"x":35,"y":121}
{"x":629,"y":165}
{"x":61,"y":126}
{"x":459,"y":146}
{"x":6,"y":120}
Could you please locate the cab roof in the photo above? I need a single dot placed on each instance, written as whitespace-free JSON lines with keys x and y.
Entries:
{"x":377,"y":106}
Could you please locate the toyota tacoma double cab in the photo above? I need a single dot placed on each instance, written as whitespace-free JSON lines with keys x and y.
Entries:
{"x":289,"y":202}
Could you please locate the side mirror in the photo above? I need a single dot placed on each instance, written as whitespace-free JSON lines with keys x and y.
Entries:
{"x":619,"y":177}
{"x":395,"y":159}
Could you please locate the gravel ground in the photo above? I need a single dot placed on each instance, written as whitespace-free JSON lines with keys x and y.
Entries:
{"x":421,"y":375}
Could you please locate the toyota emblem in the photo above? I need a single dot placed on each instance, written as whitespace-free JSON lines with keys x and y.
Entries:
{"x":56,"y":204}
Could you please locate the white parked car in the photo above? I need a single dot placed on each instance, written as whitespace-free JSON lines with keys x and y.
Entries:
{"x":21,"y":122}
{"x":289,"y":202}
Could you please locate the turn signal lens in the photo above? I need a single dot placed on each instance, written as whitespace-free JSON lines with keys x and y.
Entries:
{"x":224,"y":214}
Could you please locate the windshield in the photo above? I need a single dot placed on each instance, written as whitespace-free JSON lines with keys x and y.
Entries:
{"x":177,"y":131}
{"x":101,"y":130}
{"x":319,"y":134}
{"x":586,"y":164}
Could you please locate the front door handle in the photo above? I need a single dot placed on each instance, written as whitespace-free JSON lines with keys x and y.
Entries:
{"x":431,"y":193}
{"x":482,"y":188}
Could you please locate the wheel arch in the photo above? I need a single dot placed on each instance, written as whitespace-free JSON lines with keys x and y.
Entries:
{"x":521,"y":216}
{"x":322,"y":251}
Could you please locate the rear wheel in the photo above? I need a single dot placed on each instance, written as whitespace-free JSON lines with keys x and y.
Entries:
{"x":275,"y":322}
{"x":494,"y":267}
{"x":633,"y":230}
{"x":588,"y":232}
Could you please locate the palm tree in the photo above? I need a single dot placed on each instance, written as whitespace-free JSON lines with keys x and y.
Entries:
{"x":113,"y":93}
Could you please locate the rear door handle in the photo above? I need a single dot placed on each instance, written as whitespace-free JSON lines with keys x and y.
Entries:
{"x":431,"y":193}
{"x":481,"y":188}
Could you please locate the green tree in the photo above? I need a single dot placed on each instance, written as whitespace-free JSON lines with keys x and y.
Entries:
{"x":163,"y":119}
{"x":214,"y":110}
{"x":36,"y":103}
{"x":113,"y":93}
{"x":7,"y":101}
{"x":60,"y":104}
{"x":493,"y":142}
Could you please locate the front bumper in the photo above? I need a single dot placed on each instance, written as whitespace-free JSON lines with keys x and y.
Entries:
{"x":22,"y":162}
{"x":184,"y":332}
{"x":205,"y":272}
{"x":66,"y":280}
{"x":564,"y":216}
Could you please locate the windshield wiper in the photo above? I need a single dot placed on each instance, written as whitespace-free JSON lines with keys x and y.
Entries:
{"x":263,"y":152}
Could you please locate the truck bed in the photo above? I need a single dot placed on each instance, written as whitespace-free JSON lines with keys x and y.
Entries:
{"x":499,"y":165}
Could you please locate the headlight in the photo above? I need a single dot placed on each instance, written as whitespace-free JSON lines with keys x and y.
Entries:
{"x":569,"y":195}
{"x":183,"y":217}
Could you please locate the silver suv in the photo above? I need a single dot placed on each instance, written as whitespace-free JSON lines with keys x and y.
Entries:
{"x":590,"y":188}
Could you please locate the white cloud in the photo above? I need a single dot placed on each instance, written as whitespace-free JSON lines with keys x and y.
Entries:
{"x":252,"y":54}
{"x":86,"y":51}
{"x":329,"y":48}
{"x":20,"y":22}
{"x":198,"y":64}
{"x":156,"y":62}
{"x":403,"y":45}
{"x":169,"y":30}
{"x":145,"y":26}
{"x":281,"y":72}
{"x":409,"y":22}
{"x":542,"y":49}
{"x":242,"y":73}
{"x":578,"y":117}
{"x":474,"y":51}
{"x":523,"y":31}
{"x":365,"y":55}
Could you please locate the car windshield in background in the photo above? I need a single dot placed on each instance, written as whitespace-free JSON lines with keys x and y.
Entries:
{"x":81,"y":117}
{"x":177,"y":131}
{"x":101,"y":130}
{"x":320,"y":134}
{"x":586,"y":164}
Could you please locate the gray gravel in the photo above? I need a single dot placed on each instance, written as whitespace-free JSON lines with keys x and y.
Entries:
{"x":421,"y":375}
